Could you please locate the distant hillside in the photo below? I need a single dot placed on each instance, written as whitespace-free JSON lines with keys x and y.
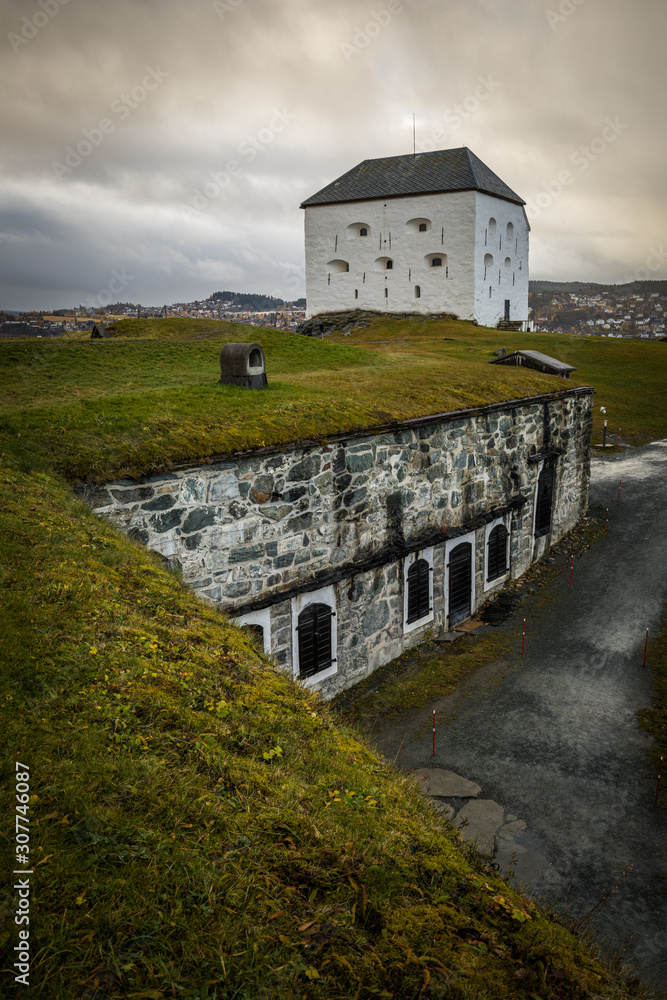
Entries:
{"x":252,"y":301}
{"x":633,"y":288}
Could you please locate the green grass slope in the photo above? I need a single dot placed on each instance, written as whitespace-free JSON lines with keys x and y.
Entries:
{"x":199,"y":825}
{"x":629,"y":376}
{"x":140,"y":403}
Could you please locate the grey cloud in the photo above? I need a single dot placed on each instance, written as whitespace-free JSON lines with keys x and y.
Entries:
{"x":555,"y":88}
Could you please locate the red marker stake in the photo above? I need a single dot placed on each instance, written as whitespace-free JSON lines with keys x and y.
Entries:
{"x":571,"y":570}
{"x":607,"y":532}
{"x":645,"y":648}
{"x":434,"y":732}
{"x":619,"y":490}
{"x":655,"y":804}
{"x":523,"y":642}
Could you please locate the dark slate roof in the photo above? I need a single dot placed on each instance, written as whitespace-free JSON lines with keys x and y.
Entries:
{"x":425,"y":173}
{"x":543,"y":359}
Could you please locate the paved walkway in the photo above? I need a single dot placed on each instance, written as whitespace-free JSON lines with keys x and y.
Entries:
{"x":552,"y":740}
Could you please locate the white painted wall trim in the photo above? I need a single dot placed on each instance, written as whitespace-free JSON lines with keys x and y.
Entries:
{"x":426,"y":554}
{"x":326,"y":595}
{"x":262,"y":618}
{"x":499,"y":580}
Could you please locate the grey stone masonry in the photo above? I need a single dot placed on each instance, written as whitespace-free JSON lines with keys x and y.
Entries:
{"x":252,"y":533}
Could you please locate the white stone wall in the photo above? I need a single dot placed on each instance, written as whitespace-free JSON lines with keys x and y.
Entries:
{"x":503,"y":282}
{"x":345,"y":270}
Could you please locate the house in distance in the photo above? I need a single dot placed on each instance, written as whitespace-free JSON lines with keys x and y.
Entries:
{"x":425,"y":233}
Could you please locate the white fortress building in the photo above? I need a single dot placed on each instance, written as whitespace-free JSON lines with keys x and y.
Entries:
{"x":423,"y":233}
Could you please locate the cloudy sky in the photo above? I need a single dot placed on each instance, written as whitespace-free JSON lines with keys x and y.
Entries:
{"x":160,"y":148}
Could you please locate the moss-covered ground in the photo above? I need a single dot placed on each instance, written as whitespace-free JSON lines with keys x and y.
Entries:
{"x":201,"y":825}
{"x":102,"y":409}
{"x":629,"y":376}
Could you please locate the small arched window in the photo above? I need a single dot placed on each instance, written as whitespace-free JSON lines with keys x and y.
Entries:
{"x":314,"y":630}
{"x":389,"y":265}
{"x":510,"y":231}
{"x":418,"y":291}
{"x":492,"y":227}
{"x":418,"y":226}
{"x":488,"y":262}
{"x":496,"y":558}
{"x":337,"y":266}
{"x":508,"y":264}
{"x":356,"y":293}
{"x":435,"y":260}
{"x":363,"y":231}
{"x":419,"y":590}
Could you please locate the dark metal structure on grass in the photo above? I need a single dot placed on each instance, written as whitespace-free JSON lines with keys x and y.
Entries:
{"x":243,"y":364}
{"x":535,"y":359}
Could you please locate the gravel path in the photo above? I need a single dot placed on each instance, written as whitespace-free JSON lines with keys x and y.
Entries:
{"x":552,"y":738}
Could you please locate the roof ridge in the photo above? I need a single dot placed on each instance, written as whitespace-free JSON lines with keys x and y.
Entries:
{"x":471,"y":164}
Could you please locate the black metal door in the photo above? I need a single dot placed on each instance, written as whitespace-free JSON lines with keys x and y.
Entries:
{"x":460,"y":579}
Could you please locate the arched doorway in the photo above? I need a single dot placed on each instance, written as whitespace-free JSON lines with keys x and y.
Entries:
{"x":460,"y":583}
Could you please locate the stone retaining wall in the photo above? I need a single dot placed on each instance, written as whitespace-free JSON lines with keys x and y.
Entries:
{"x":253,"y":533}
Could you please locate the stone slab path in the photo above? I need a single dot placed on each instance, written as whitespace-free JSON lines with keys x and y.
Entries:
{"x":551,"y":738}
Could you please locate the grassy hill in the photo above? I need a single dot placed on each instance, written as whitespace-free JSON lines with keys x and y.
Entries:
{"x":202,"y":826}
{"x":150,"y":397}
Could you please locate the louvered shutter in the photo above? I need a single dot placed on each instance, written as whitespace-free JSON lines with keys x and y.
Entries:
{"x":497,"y":553}
{"x":314,"y":630}
{"x":419,"y":605}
